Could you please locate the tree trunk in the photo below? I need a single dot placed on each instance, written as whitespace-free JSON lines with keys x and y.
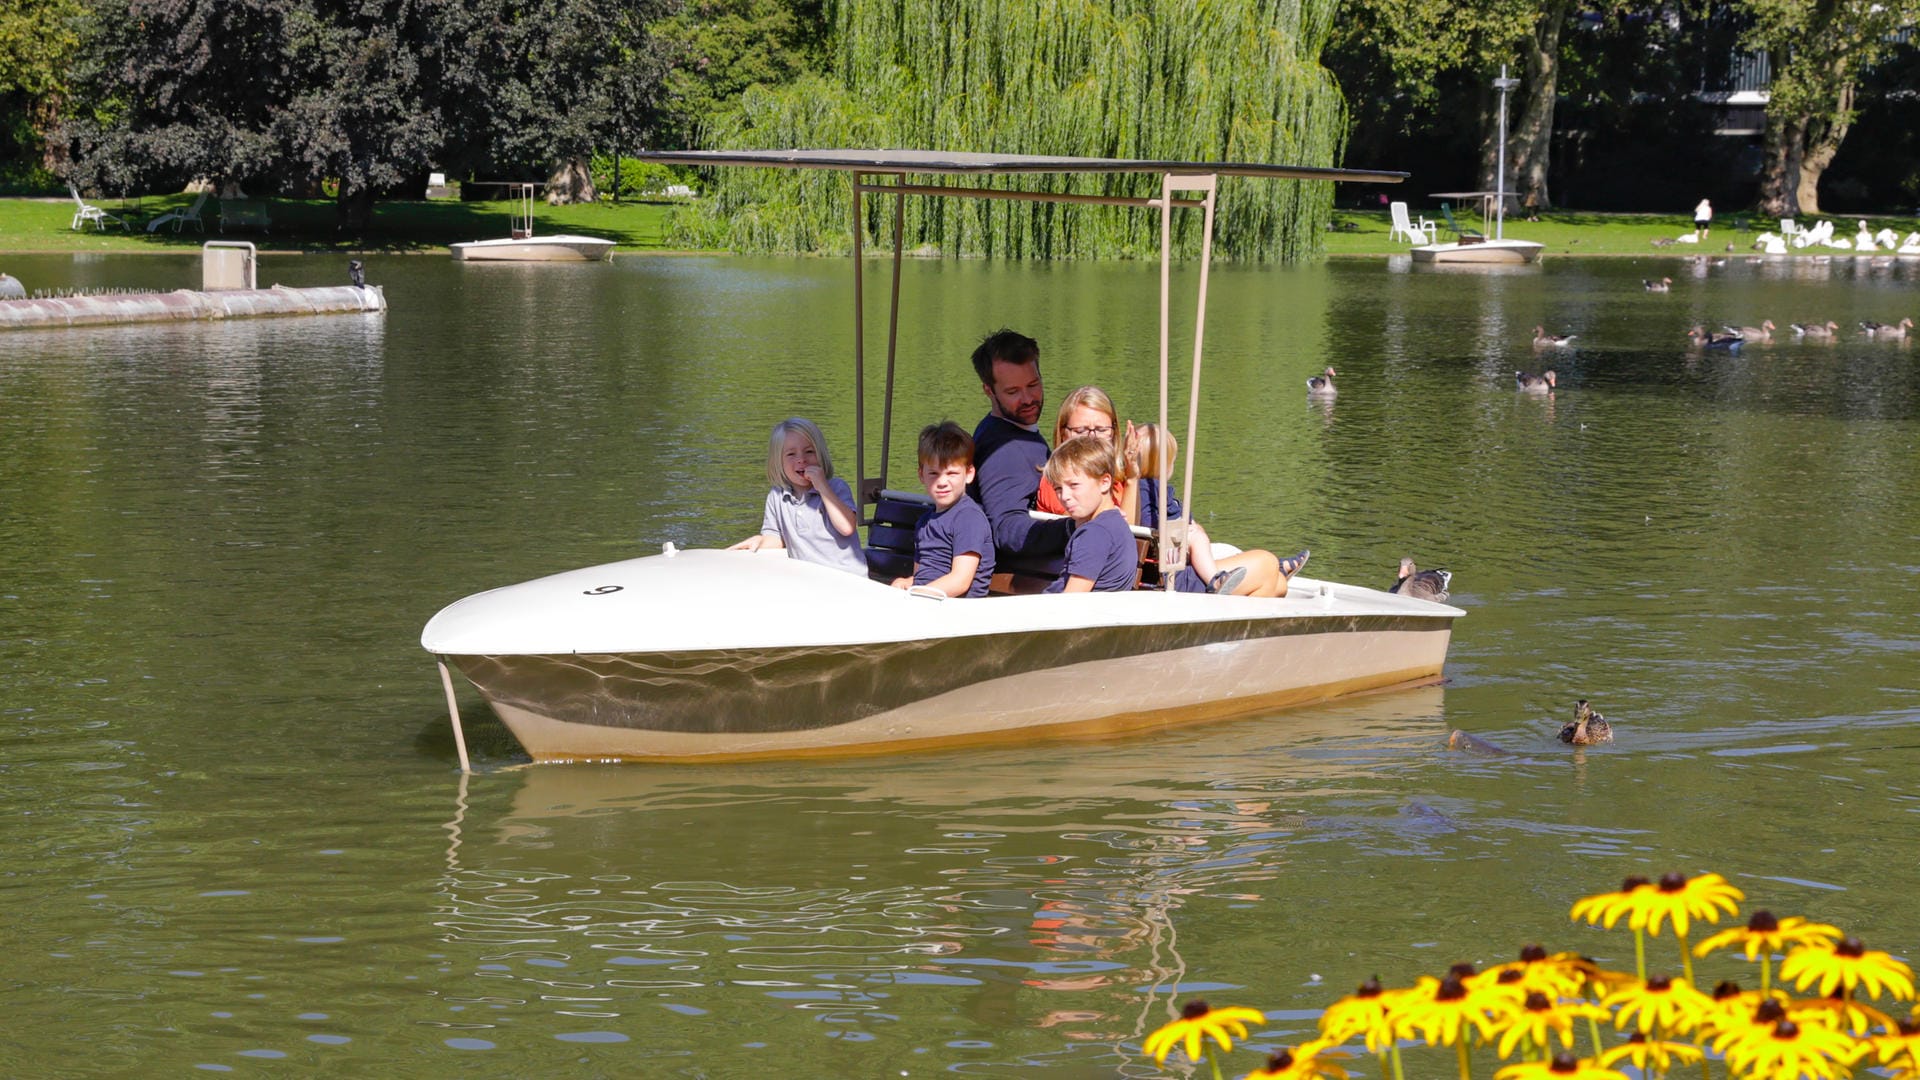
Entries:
{"x":353,"y":211}
{"x":1779,"y":175}
{"x":570,"y":183}
{"x":1820,"y":143}
{"x":1532,"y":138}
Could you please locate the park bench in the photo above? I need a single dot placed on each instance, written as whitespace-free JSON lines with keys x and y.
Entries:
{"x":239,"y":213}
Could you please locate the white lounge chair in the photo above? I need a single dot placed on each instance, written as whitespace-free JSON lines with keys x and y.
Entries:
{"x":177,"y":218}
{"x":1788,"y":229}
{"x":1912,"y":244}
{"x":1819,"y":234}
{"x":1863,"y":241}
{"x":1414,"y":231}
{"x":83,"y":212}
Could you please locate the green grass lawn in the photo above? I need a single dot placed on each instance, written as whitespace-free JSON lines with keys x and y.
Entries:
{"x":1364,"y":232}
{"x":41,"y":225}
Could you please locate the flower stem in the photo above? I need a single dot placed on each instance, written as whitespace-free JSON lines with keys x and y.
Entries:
{"x":1593,"y":1029}
{"x":1766,"y":975}
{"x":1398,"y":1074}
{"x":1686,"y":957}
{"x":1640,"y":953}
{"x":1466,"y":1069}
{"x":1213,"y":1060}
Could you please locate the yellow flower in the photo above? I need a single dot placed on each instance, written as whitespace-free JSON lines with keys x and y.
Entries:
{"x":1197,"y":1021}
{"x":1368,"y":1012}
{"x":1540,"y":1016}
{"x":1672,"y":1005}
{"x":1839,"y":1012}
{"x":1438,"y":1009}
{"x":1680,"y":899}
{"x":1562,"y":1067}
{"x":1652,"y":1056}
{"x":1766,"y":935}
{"x":1733,"y":1008}
{"x":1557,"y":975}
{"x":1605,"y":909}
{"x":1902,"y":1038}
{"x":1791,"y":1050}
{"x":1847,"y":966}
{"x":1310,"y":1061}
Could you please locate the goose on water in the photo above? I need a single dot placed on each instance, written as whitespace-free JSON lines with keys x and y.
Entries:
{"x":1587,"y":727}
{"x":1880,"y":331}
{"x":1815,"y":330}
{"x":1763,"y":332}
{"x":1544,"y":340}
{"x":1321,"y":385}
{"x":1542,"y":383}
{"x":1699,"y":336}
{"x":1664,"y":284}
{"x":1422,"y":584}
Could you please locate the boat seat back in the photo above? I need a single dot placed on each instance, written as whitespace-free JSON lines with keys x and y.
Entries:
{"x":890,"y":533}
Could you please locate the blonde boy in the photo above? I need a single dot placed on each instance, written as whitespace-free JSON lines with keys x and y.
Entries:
{"x":1101,"y":554}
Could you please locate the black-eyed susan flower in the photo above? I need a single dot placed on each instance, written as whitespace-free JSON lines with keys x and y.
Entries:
{"x":1562,"y":974}
{"x":1671,"y":1006}
{"x":1606,"y":909}
{"x":1652,"y":1056}
{"x":1724,"y":1026}
{"x":1562,"y":1067}
{"x":1540,"y":1019}
{"x":1764,"y":935}
{"x":1367,"y":1012}
{"x":1901,"y":1041}
{"x":1443,"y":1013}
{"x":1794,"y":1050}
{"x":1847,"y":966}
{"x":1733,"y":1007}
{"x":1309,"y":1062}
{"x":1839,"y":1011}
{"x":1198,"y":1022}
{"x":1679,"y":899}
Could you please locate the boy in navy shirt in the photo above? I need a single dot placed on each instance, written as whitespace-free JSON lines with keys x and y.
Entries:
{"x":953,"y":544}
{"x":1101,"y":554}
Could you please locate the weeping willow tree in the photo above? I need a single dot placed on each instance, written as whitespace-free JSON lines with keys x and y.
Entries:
{"x":1192,"y":80}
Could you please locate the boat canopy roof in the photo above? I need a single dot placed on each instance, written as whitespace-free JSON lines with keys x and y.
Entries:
{"x":949,"y":163}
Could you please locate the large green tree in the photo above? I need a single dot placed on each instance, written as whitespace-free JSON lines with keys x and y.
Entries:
{"x":1160,"y":79}
{"x":285,"y":94}
{"x":1820,"y":51}
{"x":718,"y":48}
{"x":38,"y":39}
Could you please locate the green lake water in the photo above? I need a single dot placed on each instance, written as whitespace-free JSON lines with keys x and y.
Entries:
{"x":235,"y":836}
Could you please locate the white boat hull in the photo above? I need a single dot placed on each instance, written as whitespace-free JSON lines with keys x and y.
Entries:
{"x":559,"y":248}
{"x":1510,"y":252}
{"x":885,"y":671}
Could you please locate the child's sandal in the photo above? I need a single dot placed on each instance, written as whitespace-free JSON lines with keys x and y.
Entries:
{"x":1226,"y":581}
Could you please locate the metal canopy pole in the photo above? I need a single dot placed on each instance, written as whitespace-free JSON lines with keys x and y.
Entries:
{"x":1504,"y":84}
{"x":859,"y":357}
{"x":893,"y":337}
{"x":1173,"y":550}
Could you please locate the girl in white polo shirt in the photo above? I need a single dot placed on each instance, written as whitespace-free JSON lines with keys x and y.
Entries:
{"x":808,"y":512}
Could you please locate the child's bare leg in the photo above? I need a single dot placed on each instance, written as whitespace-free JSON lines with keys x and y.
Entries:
{"x":1200,"y":553}
{"x":1263,"y":573}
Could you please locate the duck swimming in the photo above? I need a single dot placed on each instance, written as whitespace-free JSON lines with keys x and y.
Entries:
{"x":1542,"y":383}
{"x":1587,"y":728}
{"x":1699,"y":336}
{"x":1887,"y":331}
{"x":1422,"y":584}
{"x":1321,"y":385}
{"x":1815,"y":330}
{"x":1763,"y":332}
{"x":1665,"y":284}
{"x":1544,"y":340}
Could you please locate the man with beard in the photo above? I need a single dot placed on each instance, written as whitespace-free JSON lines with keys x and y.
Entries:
{"x":1009,"y":452}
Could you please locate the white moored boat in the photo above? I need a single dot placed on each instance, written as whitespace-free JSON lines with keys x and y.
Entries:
{"x":706,"y":654}
{"x":523,"y":246}
{"x":1496,"y":249}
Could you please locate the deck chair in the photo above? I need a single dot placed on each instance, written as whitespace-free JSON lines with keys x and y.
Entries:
{"x":1447,"y":213}
{"x":177,"y":218}
{"x":1414,"y":231}
{"x":84,"y":212}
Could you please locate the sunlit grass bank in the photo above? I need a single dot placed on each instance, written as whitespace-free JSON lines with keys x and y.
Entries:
{"x":1358,"y":232}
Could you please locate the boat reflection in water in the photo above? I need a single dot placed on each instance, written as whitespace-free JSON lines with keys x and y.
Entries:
{"x":1036,"y":894}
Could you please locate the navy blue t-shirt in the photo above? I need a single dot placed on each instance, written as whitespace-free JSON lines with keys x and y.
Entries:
{"x":1149,"y":508}
{"x":1007,"y":460}
{"x":1103,"y":551}
{"x":960,"y":529}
